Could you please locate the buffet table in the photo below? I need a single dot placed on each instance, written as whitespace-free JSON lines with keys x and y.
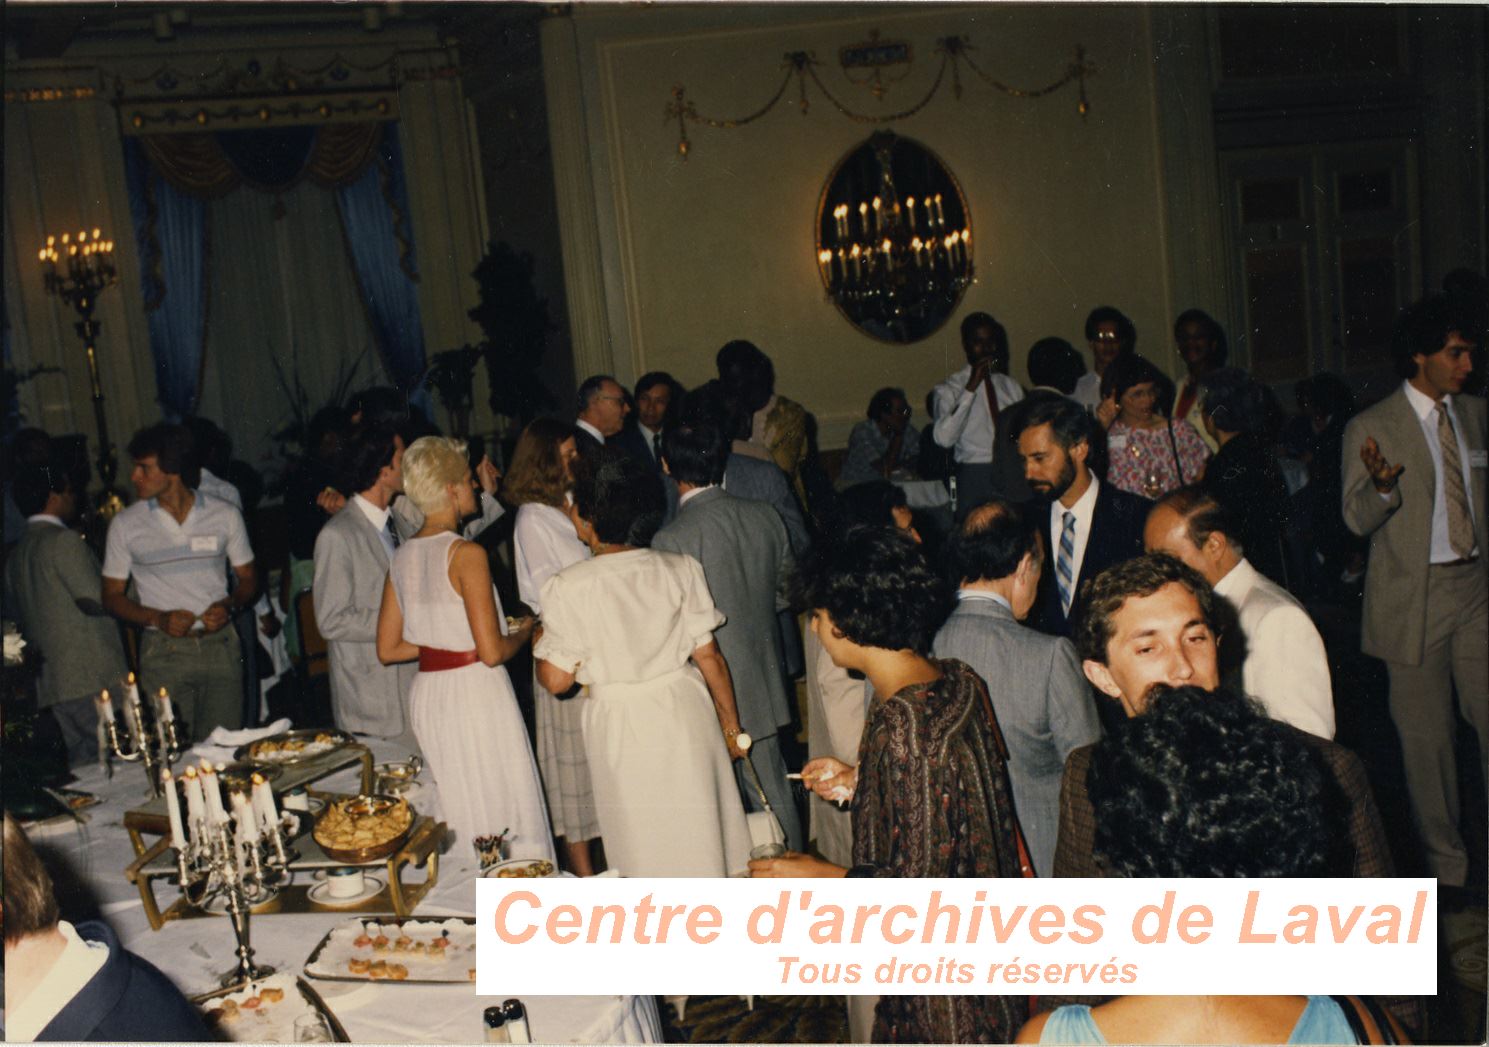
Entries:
{"x":193,"y":952}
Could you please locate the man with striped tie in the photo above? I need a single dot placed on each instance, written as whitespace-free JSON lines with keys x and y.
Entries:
{"x":1092,"y":525}
{"x":1414,"y":480}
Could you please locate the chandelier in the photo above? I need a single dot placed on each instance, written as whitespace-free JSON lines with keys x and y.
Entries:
{"x":894,"y":239}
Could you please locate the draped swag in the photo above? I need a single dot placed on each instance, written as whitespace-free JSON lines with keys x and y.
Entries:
{"x":173,"y":176}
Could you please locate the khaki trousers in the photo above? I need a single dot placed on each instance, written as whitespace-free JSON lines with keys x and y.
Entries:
{"x":202,"y":672}
{"x":1456,"y":657}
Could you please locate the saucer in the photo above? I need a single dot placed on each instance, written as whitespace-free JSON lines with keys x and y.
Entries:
{"x":321,"y":894}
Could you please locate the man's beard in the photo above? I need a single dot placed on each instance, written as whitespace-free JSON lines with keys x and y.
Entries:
{"x":1052,"y":492}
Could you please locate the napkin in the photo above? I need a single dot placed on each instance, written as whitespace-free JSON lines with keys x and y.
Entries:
{"x":220,"y":744}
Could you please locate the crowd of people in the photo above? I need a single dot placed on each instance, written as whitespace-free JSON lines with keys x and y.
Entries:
{"x":1124,"y":580}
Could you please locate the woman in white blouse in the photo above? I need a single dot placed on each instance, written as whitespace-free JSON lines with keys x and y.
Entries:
{"x":538,"y":482}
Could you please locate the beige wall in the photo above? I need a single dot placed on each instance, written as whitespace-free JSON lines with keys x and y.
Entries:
{"x":1066,"y":214}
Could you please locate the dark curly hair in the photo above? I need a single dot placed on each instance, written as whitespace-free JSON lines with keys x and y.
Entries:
{"x":1204,"y":784}
{"x":878,"y":587}
{"x":172,"y":447}
{"x":1423,"y":327}
{"x":1104,"y":595}
{"x":1128,"y":371}
{"x":622,"y":499}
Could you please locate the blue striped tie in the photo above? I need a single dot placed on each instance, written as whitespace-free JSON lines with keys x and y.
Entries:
{"x":1063,"y":563}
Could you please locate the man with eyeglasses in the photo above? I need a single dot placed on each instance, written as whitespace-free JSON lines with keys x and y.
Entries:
{"x":1109,"y":334}
{"x":602,"y":412}
{"x":884,"y":444}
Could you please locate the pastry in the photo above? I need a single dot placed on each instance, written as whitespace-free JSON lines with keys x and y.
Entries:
{"x":271,"y":995}
{"x":359,"y":966}
{"x":397,"y":971}
{"x":251,"y":1003}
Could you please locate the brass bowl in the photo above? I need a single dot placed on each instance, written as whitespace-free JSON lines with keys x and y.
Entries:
{"x":362,"y":806}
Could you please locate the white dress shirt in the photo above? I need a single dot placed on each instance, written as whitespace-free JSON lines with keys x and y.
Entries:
{"x":963,"y":421}
{"x":582,"y":424}
{"x":649,"y":437}
{"x":1286,"y":667}
{"x":1085,"y":511}
{"x":379,"y":520}
{"x":46,"y":518}
{"x":1426,"y":410}
{"x":544,"y":542}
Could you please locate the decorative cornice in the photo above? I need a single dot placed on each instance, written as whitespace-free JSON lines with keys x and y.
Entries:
{"x":51,"y":94}
{"x":150,"y":117}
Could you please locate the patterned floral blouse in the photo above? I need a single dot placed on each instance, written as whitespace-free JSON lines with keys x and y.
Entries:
{"x":1144,"y":462}
{"x":933,"y":800}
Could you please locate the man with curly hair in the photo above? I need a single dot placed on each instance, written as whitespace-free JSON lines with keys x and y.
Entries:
{"x":1151,"y":622}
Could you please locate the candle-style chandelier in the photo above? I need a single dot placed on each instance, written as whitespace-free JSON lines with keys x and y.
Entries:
{"x":76,"y":268}
{"x":894,"y":239}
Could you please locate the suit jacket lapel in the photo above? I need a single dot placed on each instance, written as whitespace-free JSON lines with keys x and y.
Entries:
{"x":1414,"y":452}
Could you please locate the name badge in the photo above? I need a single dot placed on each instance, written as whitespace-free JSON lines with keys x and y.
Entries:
{"x":1478,"y":459}
{"x":204,"y":543}
{"x":1116,"y":443}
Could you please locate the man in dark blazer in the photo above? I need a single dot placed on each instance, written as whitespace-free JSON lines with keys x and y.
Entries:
{"x":746,"y":558}
{"x":1153,"y":620}
{"x":1091,"y":525}
{"x":1042,"y":701}
{"x":657,"y":394}
{"x":111,"y":994}
{"x":601,"y":412}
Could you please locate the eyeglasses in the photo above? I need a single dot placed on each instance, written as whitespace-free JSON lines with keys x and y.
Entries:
{"x":1106,"y":337}
{"x":617,"y":399}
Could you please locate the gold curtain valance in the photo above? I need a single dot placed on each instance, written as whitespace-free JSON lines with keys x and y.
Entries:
{"x":198,"y":164}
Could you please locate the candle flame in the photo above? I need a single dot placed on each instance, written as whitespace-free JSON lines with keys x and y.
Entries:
{"x":131,"y":678}
{"x":65,"y":239}
{"x":824,"y":257}
{"x":855,"y":252}
{"x":885,"y":246}
{"x":258,"y":779}
{"x":97,"y":233}
{"x":190,"y":772}
{"x":910,"y":203}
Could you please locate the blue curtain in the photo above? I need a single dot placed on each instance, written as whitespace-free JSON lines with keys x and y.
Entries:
{"x":170,"y":231}
{"x":380,"y":239}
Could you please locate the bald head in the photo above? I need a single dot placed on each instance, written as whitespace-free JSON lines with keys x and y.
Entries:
{"x":1191,"y":526}
{"x":997,"y":550}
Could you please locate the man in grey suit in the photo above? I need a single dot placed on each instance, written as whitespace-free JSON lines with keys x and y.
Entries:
{"x":49,"y":571}
{"x":352,"y":555}
{"x":746,"y":558}
{"x":1041,"y":698}
{"x":1426,"y":599}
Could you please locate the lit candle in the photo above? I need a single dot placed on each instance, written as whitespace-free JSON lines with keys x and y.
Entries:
{"x":863,"y":218}
{"x":876,"y":217}
{"x":244,"y":830}
{"x":196,"y":812}
{"x":97,"y":233}
{"x":856,"y":255}
{"x":824,"y":262}
{"x":105,"y":707}
{"x":886,"y":250}
{"x":65,"y":238}
{"x":213,"y":793}
{"x":263,"y":803}
{"x":173,"y":810}
{"x":940,"y":213}
{"x":918,"y":246}
{"x":910,"y":207}
{"x":166,"y":712}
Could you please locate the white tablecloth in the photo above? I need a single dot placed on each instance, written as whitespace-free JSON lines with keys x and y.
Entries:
{"x":194,"y":952}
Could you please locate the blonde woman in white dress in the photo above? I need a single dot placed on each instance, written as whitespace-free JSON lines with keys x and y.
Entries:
{"x":439,"y":607}
{"x":636,"y":627}
{"x":544,"y":543}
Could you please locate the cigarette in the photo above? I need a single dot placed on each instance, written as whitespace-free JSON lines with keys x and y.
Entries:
{"x":795,"y":776}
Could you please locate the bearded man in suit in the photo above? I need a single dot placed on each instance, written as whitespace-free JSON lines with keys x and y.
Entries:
{"x":1092,"y":525}
{"x":1414,"y":469}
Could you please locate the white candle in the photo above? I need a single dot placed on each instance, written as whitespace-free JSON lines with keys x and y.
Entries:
{"x":877,"y":225}
{"x":105,"y":707}
{"x":910,"y":207}
{"x":132,"y":691}
{"x":196,"y":812}
{"x":173,"y":810}
{"x":167,"y":714}
{"x":263,"y":803}
{"x":213,"y":793}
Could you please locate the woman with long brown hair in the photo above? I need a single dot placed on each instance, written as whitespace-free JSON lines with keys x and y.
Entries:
{"x":544,"y":541}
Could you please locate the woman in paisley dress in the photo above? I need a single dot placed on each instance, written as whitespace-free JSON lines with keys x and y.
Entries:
{"x":930,"y":793}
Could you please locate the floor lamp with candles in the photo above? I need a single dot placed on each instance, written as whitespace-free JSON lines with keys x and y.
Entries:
{"x":76,"y":269}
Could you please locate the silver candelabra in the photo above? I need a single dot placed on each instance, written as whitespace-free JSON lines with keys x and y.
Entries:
{"x":157,"y":749}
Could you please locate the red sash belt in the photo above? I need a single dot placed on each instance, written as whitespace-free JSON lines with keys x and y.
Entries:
{"x":434,"y":660}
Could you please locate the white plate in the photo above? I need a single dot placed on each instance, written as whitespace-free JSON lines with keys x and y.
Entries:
{"x":511,"y":863}
{"x":321,"y":893}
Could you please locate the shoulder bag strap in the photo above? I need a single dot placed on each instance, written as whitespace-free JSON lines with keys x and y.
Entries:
{"x":1174,"y":443}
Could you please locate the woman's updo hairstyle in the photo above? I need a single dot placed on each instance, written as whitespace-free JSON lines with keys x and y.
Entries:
{"x":430,"y":465}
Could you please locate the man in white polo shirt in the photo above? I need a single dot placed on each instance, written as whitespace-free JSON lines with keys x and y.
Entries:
{"x":173,"y":543}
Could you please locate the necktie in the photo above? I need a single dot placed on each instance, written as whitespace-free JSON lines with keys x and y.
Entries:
{"x":656,"y":446}
{"x":1186,"y":400}
{"x":992,"y":398}
{"x":1065,"y":562}
{"x":390,"y":536}
{"x":1455,"y":496}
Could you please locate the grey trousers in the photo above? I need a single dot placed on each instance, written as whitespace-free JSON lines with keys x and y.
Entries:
{"x":1456,"y":658}
{"x":770,"y":765}
{"x":202,"y":672}
{"x":77,"y":718}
